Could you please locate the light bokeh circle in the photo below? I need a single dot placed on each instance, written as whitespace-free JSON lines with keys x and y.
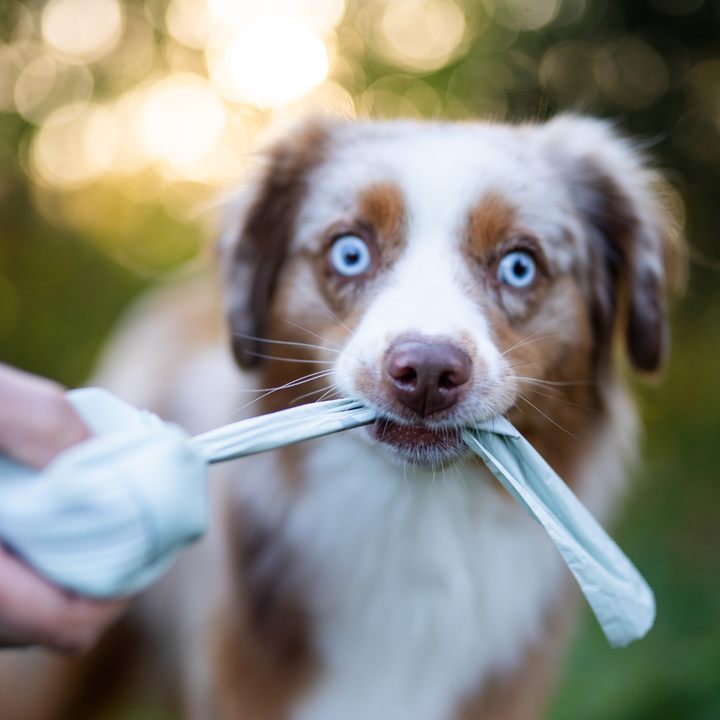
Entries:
{"x":276,"y":59}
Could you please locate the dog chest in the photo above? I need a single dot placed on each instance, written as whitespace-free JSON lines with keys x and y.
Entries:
{"x":419,"y":583}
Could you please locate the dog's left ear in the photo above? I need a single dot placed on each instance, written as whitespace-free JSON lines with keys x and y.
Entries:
{"x":261,"y":225}
{"x":634,"y":252}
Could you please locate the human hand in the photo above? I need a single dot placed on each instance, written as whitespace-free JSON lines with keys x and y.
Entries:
{"x":36,"y":423}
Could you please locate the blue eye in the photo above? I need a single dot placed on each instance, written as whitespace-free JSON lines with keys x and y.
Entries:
{"x":517,"y":269}
{"x":350,"y":255}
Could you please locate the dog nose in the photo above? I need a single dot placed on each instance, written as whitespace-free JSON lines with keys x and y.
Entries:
{"x":425,"y":376}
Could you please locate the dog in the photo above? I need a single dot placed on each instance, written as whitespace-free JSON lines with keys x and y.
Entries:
{"x":443,"y":274}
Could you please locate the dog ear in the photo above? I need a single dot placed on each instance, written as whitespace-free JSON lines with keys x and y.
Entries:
{"x":260,"y":229}
{"x":634,"y":254}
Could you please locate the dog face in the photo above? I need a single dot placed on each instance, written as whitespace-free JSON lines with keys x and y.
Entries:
{"x":445,"y":274}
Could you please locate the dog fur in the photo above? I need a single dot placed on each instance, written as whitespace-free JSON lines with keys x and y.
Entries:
{"x":383,"y":574}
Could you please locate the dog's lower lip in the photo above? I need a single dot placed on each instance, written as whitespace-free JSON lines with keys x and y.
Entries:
{"x":414,"y":437}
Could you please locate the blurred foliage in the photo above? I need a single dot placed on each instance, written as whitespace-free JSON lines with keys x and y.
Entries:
{"x":78,"y":242}
{"x":671,"y":531}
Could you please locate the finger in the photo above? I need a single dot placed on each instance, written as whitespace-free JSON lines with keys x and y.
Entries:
{"x":35,"y":612}
{"x":36,"y":421}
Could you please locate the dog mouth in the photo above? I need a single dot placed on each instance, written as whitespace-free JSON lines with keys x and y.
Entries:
{"x":418,"y":444}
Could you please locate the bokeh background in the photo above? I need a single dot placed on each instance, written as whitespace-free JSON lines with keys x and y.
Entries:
{"x":122,"y":120}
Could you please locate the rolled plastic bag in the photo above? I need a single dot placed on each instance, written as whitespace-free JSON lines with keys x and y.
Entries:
{"x":107,"y":517}
{"x":110,"y":515}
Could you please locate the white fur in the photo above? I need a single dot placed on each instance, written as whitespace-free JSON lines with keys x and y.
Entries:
{"x":402,"y":561}
{"x":442,"y":175}
{"x":421,"y":584}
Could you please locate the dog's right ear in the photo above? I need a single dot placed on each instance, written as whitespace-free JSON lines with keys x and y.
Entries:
{"x":253,"y":249}
{"x":635,"y":248}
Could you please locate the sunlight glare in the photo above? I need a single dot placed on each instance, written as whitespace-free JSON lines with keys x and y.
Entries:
{"x":181,"y":121}
{"x":75,"y":146}
{"x":130,"y":158}
{"x":421,"y":34}
{"x":276,"y":59}
{"x":83,"y":29}
{"x":318,"y":15}
{"x":188,"y":22}
{"x":34,"y":84}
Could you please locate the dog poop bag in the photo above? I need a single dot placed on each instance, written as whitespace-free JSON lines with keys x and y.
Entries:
{"x":107,"y":517}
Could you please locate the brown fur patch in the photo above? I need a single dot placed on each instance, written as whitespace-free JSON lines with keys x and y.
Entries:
{"x":262,"y":649}
{"x":262,"y":248}
{"x":626,"y":282}
{"x":489,"y":224}
{"x":302,"y":314}
{"x":552,"y":355}
{"x":382,"y":207}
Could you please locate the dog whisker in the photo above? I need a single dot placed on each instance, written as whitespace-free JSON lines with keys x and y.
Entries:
{"x":528,"y":340}
{"x":319,"y":337}
{"x":566,"y":402}
{"x":262,"y":390}
{"x":298,"y":381}
{"x":331,"y":316}
{"x":565,"y":430}
{"x":362,"y":295}
{"x":285,"y":342}
{"x":432,"y":483}
{"x":527,"y":362}
{"x":286,"y":386}
{"x":330,"y":390}
{"x":559,"y":383}
{"x":558,"y":392}
{"x":325,"y":390}
{"x":304,"y":379}
{"x":292,"y":360}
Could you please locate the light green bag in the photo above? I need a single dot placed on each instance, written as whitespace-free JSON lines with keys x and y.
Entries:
{"x":108,"y":516}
